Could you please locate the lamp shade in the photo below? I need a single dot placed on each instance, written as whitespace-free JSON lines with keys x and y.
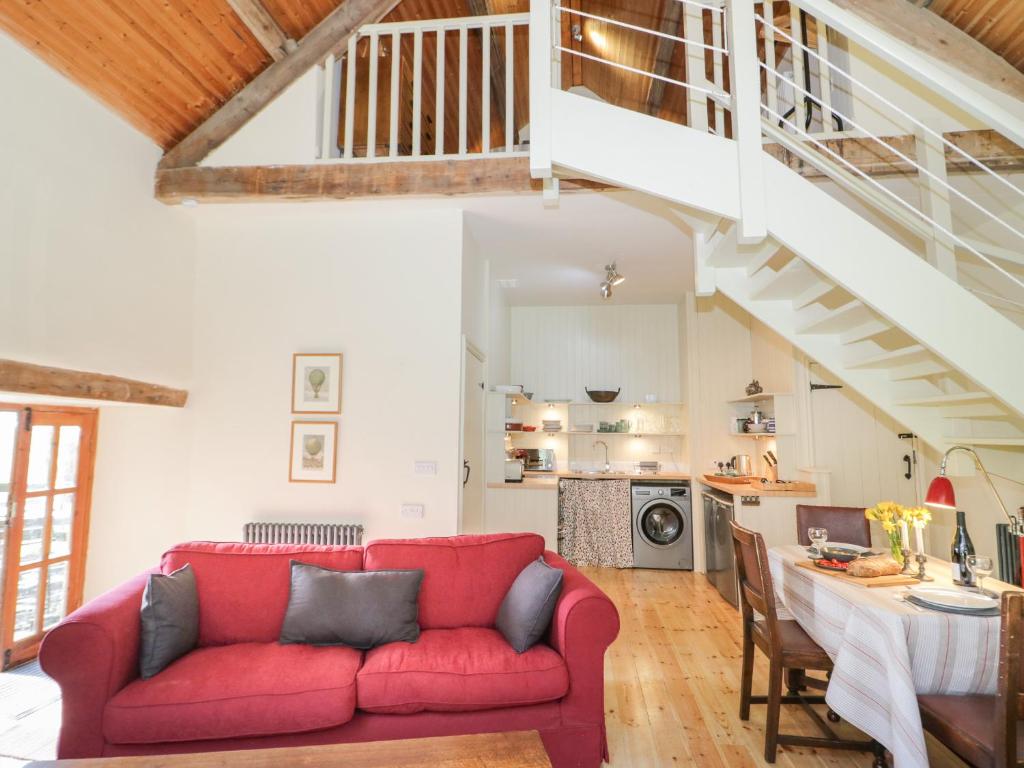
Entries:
{"x":940,"y":494}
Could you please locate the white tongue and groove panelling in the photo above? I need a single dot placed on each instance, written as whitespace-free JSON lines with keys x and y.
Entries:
{"x":559,"y":351}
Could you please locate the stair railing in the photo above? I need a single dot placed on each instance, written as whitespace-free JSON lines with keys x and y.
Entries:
{"x":406,"y":66}
{"x":932,"y":179}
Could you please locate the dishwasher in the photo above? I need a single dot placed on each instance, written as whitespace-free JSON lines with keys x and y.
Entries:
{"x":720,"y":557}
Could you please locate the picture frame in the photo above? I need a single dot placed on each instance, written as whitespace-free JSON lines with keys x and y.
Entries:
{"x":316,"y":383}
{"x":314,"y":452}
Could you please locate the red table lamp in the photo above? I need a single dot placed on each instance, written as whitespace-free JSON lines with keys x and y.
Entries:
{"x":940,"y":492}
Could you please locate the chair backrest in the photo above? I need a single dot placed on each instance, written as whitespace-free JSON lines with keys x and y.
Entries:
{"x":1010,"y":705}
{"x":757,"y":593}
{"x":844,"y":524}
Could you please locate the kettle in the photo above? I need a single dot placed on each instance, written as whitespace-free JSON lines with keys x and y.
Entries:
{"x":741,"y":465}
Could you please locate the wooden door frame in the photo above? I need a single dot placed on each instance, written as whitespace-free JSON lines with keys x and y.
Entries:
{"x":28,"y":649}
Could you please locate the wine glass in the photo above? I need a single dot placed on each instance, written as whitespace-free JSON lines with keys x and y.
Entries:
{"x":818,"y":537}
{"x":981,"y":567}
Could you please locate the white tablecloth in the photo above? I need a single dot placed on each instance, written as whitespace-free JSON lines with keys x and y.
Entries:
{"x":885,"y":652}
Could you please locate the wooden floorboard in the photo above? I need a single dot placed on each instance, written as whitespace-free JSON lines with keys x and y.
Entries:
{"x":672,"y":682}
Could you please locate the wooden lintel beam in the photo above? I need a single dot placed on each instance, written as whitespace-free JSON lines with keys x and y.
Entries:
{"x":989,"y":147}
{"x":32,"y":379}
{"x":340,"y":181}
{"x":671,"y":23}
{"x":263,"y":26}
{"x":337,"y":27}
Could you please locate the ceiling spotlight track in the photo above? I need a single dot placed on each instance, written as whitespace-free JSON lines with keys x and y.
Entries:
{"x":611,"y":279}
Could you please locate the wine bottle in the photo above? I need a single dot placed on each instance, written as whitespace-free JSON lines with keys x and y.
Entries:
{"x":961,"y":549}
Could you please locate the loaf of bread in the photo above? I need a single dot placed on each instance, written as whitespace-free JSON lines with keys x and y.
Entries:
{"x":869,"y":567}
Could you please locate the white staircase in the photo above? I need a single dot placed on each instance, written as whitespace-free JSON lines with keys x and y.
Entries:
{"x":920,"y":345}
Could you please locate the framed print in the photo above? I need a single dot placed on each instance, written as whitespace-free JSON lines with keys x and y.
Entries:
{"x":314,"y":452}
{"x":316,"y":383}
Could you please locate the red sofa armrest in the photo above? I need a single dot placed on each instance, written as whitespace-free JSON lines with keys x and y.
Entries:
{"x":92,"y":655}
{"x":584,"y":625}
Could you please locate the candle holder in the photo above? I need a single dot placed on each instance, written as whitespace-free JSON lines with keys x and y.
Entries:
{"x":908,"y":569}
{"x":921,"y":575}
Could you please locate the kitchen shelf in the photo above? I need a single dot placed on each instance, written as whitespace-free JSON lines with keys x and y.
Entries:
{"x":754,"y":435}
{"x":622,"y":404}
{"x":630,"y":434}
{"x":760,"y":397}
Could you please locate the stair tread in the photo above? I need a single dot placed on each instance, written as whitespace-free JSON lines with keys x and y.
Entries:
{"x":994,"y":442}
{"x":832,"y":322}
{"x":892,"y":355}
{"x":959,"y":397}
{"x":793,"y":279}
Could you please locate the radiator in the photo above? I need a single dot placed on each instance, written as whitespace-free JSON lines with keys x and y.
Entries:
{"x":303,"y":533}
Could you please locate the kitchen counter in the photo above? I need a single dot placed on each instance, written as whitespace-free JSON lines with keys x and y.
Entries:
{"x":754,"y":489}
{"x":529,"y":483}
{"x":544,"y":480}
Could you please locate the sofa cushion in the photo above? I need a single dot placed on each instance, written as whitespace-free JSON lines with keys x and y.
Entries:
{"x":170,"y":619}
{"x":458,"y":670}
{"x":525,"y":613}
{"x":243,"y":588}
{"x":465,"y":578}
{"x":248,"y":689}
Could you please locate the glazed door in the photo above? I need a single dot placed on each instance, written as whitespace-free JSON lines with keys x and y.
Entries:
{"x":46,"y":459}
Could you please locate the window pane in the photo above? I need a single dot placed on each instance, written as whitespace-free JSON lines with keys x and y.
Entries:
{"x":26,"y":609}
{"x":40,"y":454}
{"x":67,"y":457}
{"x":60,"y":524}
{"x":56,"y":594}
{"x":32,"y":533}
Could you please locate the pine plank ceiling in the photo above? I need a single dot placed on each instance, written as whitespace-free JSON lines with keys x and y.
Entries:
{"x":166,"y":65}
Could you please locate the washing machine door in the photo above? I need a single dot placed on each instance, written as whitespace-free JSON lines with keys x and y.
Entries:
{"x":661,"y":523}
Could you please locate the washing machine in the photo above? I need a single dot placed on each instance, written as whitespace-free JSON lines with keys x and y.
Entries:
{"x":662,"y":526}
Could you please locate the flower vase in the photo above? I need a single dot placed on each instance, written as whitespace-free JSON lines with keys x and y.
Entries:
{"x":896,"y":546}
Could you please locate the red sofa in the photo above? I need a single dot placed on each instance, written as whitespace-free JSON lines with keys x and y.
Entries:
{"x":240,"y":689}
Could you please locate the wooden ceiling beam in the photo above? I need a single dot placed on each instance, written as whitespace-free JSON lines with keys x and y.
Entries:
{"x":671,"y":23}
{"x":32,"y":379}
{"x":263,"y":27}
{"x":339,"y":25}
{"x":340,"y":181}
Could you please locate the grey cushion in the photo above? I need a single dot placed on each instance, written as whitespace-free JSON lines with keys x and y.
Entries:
{"x":170,"y":619}
{"x":360,"y":609}
{"x":526,"y":611}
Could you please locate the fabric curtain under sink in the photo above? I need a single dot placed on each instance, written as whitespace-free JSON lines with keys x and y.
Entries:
{"x":594,"y":522}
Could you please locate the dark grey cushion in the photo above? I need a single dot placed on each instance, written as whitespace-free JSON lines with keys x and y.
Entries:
{"x":526,"y":611}
{"x":170,"y":619}
{"x":360,"y":609}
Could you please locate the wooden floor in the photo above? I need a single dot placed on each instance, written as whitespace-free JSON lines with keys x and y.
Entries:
{"x":672,"y":682}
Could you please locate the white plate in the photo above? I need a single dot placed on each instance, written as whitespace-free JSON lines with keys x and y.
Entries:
{"x":951,"y":597}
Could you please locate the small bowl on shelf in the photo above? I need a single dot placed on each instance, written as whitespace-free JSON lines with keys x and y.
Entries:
{"x":602,"y":395}
{"x":529,"y":428}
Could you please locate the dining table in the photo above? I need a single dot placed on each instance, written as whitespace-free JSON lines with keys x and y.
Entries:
{"x":886,"y":651}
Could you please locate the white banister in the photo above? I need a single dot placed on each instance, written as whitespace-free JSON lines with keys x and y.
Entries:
{"x":463,"y":87}
{"x":745,"y":79}
{"x":697,"y":103}
{"x":718,"y":40}
{"x":542,"y":50}
{"x":329,"y":99}
{"x":770,"y":83}
{"x":417,"y":90}
{"x":350,"y":97}
{"x":510,"y":104}
{"x":371,"y":102}
{"x":796,"y":52}
{"x":395,"y":96}
{"x":485,"y":89}
{"x":439,"y":98}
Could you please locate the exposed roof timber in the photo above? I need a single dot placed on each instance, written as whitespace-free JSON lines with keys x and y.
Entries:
{"x":29,"y":378}
{"x":932,"y":35}
{"x":340,"y":24}
{"x":263,"y":27}
{"x":339,"y":181}
{"x":671,"y":24}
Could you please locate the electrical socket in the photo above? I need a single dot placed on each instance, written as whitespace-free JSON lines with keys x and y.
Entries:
{"x":412,"y":510}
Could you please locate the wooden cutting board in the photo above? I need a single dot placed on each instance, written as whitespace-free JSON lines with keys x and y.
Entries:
{"x":897,"y":580}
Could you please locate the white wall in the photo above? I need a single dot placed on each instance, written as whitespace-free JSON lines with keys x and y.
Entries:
{"x":379,"y":283}
{"x":96,"y":275}
{"x":558,"y":351}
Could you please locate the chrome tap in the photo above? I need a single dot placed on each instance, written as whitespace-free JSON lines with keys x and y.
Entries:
{"x":607,"y":466}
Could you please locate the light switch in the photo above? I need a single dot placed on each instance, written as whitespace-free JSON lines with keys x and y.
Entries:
{"x":426,"y":467}
{"x":412,"y":510}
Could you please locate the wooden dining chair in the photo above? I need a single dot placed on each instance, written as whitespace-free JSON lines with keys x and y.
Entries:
{"x":787,"y":647}
{"x":844,"y":524}
{"x":985,"y":731}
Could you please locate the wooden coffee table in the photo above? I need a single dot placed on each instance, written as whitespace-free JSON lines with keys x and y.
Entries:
{"x":521,"y":749}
